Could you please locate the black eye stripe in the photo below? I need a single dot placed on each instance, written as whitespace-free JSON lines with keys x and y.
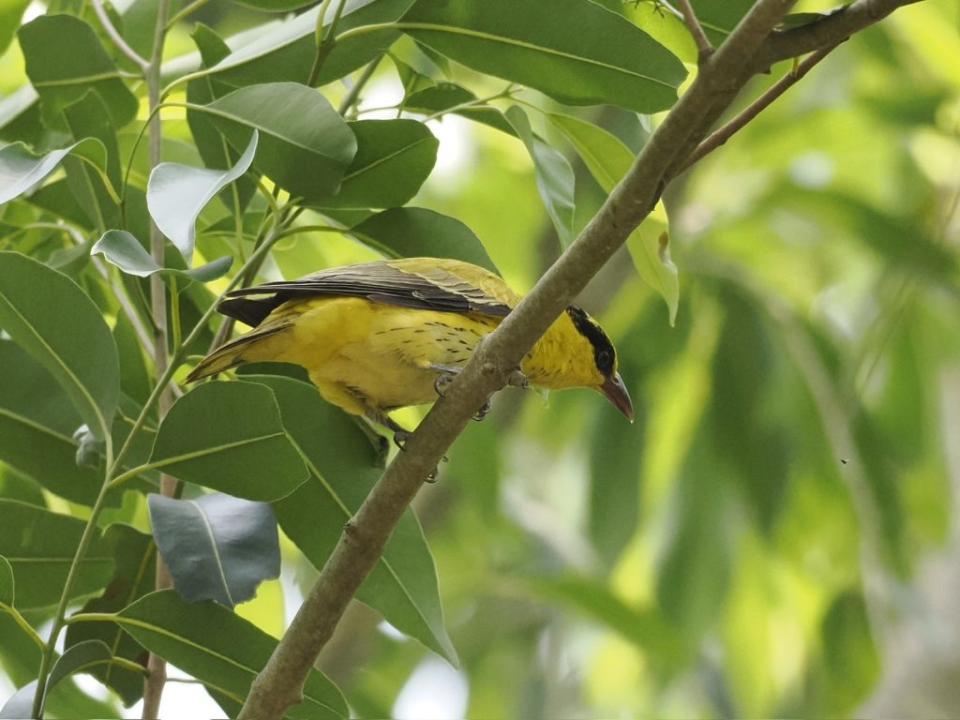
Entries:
{"x":603,"y":352}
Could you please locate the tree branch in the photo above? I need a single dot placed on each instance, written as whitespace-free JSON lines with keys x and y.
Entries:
{"x":832,"y":29}
{"x":280,"y":684}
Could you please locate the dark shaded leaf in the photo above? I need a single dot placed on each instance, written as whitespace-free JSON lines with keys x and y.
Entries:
{"x":394,"y":158}
{"x":219,"y":648}
{"x":228,"y":436}
{"x":305,"y":146}
{"x":456,"y":99}
{"x":217,"y":547}
{"x":7,"y":594}
{"x":40,"y":546}
{"x":418,"y":232}
{"x":343,"y":467}
{"x":135,"y":563}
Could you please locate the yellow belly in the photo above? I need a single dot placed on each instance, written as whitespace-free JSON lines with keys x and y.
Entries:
{"x":363,"y":355}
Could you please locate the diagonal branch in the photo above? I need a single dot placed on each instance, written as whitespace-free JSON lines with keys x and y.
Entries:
{"x":833,"y":28}
{"x":279,"y":686}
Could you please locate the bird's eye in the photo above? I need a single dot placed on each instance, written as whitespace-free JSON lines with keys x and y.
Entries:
{"x":604,"y":361}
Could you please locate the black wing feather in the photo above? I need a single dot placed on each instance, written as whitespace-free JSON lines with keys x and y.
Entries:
{"x":378,"y":282}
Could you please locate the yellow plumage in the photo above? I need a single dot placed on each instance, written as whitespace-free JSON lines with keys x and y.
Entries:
{"x":376,"y":336}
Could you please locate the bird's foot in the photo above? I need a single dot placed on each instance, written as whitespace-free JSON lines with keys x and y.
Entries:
{"x":482,"y":412}
{"x":400,"y":438}
{"x":445,"y":376}
{"x":518,"y":380}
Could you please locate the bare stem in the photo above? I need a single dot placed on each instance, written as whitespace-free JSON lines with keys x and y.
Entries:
{"x":117,"y":38}
{"x":704,"y":48}
{"x":728,"y":130}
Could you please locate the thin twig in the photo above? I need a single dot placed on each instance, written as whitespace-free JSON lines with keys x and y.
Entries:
{"x":354,"y":94}
{"x":728,"y":130}
{"x":704,"y":48}
{"x":325,"y":39}
{"x":117,"y":38}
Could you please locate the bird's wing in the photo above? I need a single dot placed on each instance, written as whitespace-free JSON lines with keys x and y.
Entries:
{"x":419,"y":283}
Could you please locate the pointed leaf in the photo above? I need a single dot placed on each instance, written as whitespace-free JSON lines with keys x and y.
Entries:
{"x":394,"y":158}
{"x":80,"y":658}
{"x":342,"y":462}
{"x":90,"y":117}
{"x":228,"y":436}
{"x":554,"y":176}
{"x":217,"y":547}
{"x":63,"y":331}
{"x":64,"y":59}
{"x":40,"y":546}
{"x":176,"y":195}
{"x":20,"y":170}
{"x":418,"y":232}
{"x":219,"y":648}
{"x":592,"y":56}
{"x":305,"y":146}
{"x":608,"y":160}
{"x":122,"y":249}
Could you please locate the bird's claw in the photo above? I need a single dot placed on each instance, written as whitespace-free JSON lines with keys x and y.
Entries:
{"x":518,"y":380}
{"x":400,"y":438}
{"x":482,"y":412}
{"x":442,"y":383}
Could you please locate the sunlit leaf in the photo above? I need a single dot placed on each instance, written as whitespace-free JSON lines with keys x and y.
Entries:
{"x":217,"y":547}
{"x":554,"y":175}
{"x":122,"y":249}
{"x":62,"y":333}
{"x":177,"y":194}
{"x":21,"y":170}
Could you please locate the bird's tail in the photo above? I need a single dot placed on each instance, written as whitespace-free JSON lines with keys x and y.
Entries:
{"x":233,"y":353}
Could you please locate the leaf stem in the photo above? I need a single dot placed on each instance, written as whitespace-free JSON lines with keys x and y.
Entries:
{"x":186,"y":10}
{"x":117,"y":38}
{"x":354,"y":93}
{"x":327,"y":41}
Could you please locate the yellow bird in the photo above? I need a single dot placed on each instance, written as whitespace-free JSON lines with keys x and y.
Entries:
{"x":378,"y":336}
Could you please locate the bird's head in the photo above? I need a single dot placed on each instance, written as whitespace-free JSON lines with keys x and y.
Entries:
{"x":596,"y":356}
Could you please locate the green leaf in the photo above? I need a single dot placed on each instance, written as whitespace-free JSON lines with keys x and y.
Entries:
{"x":608,"y":159}
{"x":305,"y":146}
{"x":40,"y":546}
{"x":343,"y":467}
{"x":394,"y":158}
{"x":95,"y":188}
{"x":418,"y":232}
{"x":134,"y":556}
{"x":228,"y":436}
{"x":64,"y":59}
{"x":177,"y":194}
{"x":82,"y":657}
{"x":20,"y":116}
{"x":21,"y":170}
{"x":19,"y":705}
{"x":219,"y":648}
{"x":62,"y":332}
{"x":6,"y":582}
{"x":37,"y":422}
{"x":554,"y":175}
{"x":719,"y":19}
{"x":285,"y":51}
{"x":212,"y":146}
{"x":449,"y":97}
{"x":574,"y":51}
{"x":217,"y":547}
{"x":851,"y":662}
{"x":10,"y":13}
{"x":122,"y":249}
